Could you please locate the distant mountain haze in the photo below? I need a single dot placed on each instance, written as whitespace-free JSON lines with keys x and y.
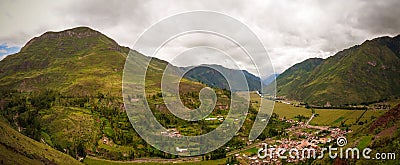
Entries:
{"x":270,"y":79}
{"x":215,"y":77}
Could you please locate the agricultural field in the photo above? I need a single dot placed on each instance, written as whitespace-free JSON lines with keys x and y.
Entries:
{"x":289,"y":111}
{"x":329,"y":117}
{"x":251,"y":152}
{"x":353,"y":119}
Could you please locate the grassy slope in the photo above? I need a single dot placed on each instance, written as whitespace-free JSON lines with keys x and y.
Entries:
{"x":16,"y":148}
{"x":352,"y":79}
{"x":65,"y":124}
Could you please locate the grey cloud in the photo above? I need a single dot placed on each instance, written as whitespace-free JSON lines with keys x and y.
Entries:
{"x":379,"y":17}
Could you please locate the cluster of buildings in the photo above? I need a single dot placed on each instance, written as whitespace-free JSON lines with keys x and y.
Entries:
{"x":181,"y":150}
{"x":301,"y":141}
{"x":173,"y":132}
{"x":337,"y":132}
{"x":220,"y":118}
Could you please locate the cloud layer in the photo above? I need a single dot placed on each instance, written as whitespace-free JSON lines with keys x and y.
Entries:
{"x":291,"y":31}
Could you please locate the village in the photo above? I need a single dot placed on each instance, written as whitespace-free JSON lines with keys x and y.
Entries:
{"x":301,"y":136}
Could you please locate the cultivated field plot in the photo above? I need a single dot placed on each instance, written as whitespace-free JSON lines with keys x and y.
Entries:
{"x":283,"y":110}
{"x":289,"y":111}
{"x":335,"y":117}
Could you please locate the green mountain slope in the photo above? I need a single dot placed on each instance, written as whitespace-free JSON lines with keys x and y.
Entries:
{"x":361,"y":74}
{"x":77,"y":61}
{"x":16,"y":148}
{"x":288,"y":81}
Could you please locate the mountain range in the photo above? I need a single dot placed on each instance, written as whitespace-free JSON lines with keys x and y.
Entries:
{"x":82,"y":61}
{"x":66,"y":92}
{"x":210,"y":75}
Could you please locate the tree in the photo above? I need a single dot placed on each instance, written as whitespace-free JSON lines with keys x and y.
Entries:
{"x":43,"y":100}
{"x":274,"y":116}
{"x":132,"y":155}
{"x":80,"y":149}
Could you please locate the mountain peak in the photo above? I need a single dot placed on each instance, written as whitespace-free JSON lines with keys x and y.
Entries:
{"x":77,"y":32}
{"x":74,"y":32}
{"x":65,"y":60}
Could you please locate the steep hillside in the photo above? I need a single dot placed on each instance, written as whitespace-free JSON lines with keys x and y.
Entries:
{"x":16,"y":148}
{"x":213,"y":78}
{"x":289,"y":81}
{"x":361,"y":74}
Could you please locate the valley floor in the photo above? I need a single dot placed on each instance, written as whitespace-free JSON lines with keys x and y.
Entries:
{"x":308,"y":129}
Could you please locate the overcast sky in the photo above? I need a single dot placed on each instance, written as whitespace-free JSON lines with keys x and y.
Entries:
{"x":291,"y":31}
